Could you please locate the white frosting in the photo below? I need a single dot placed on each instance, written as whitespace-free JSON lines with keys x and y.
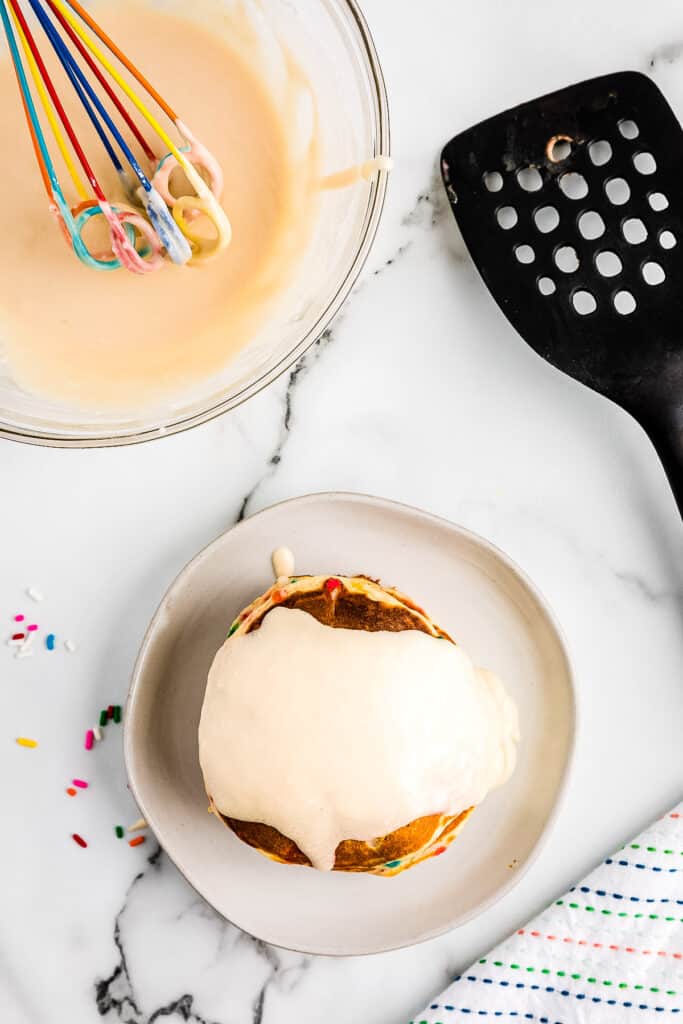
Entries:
{"x":282,"y":560}
{"x":329,"y":734}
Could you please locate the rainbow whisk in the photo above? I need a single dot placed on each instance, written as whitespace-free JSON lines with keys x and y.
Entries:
{"x":153,"y":226}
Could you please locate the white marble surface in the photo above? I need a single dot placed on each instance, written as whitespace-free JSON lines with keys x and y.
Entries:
{"x":421,"y":393}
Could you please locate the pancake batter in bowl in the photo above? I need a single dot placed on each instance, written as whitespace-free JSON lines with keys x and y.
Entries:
{"x":100,"y":339}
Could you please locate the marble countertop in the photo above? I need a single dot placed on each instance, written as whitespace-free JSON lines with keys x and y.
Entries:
{"x":421,"y":392}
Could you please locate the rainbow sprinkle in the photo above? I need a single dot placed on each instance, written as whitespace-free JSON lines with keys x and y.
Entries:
{"x":50,"y":641}
{"x":117,"y":713}
{"x":118,"y":829}
{"x":81,"y":783}
{"x":19,"y":618}
{"x":138,"y":841}
{"x":24,"y":741}
{"x":89,"y":739}
{"x":79,"y":839}
{"x":71,"y":791}
{"x":104,"y":718}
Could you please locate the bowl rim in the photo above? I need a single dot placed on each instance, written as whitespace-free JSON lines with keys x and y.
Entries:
{"x":129,"y":753}
{"x":55,"y":439}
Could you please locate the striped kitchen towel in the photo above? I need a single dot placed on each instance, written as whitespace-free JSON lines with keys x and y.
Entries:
{"x":609,"y":951}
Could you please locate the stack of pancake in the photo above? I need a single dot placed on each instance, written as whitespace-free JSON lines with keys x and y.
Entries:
{"x":357,"y":603}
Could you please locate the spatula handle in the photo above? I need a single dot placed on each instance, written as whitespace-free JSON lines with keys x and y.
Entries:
{"x":665,"y":429}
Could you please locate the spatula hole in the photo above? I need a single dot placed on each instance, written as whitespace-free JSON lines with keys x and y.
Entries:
{"x":617,"y":191}
{"x":600,"y":152}
{"x":658,"y":201}
{"x":653,"y":273}
{"x":558,"y":149}
{"x":629,"y":129}
{"x":584,"y":302}
{"x":529,"y":179}
{"x":546,"y":219}
{"x":546,"y":286}
{"x":566,"y":259}
{"x":591,"y":225}
{"x":667,"y":239}
{"x":645,"y":163}
{"x":493,"y":181}
{"x":624,"y":303}
{"x":525,"y":254}
{"x":634,"y":230}
{"x":608,"y":263}
{"x":574,"y":185}
{"x":506,"y":217}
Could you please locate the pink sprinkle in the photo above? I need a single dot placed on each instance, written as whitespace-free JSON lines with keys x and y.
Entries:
{"x":19,"y":618}
{"x":80,"y":783}
{"x":89,"y":739}
{"x":33,"y":627}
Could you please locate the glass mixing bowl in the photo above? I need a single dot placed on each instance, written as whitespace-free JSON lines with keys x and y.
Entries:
{"x":331,"y":42}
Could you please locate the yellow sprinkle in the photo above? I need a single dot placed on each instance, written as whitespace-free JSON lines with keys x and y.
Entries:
{"x":137,"y":825}
{"x":23,"y":741}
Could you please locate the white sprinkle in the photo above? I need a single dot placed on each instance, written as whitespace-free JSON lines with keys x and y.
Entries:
{"x":97,"y":732}
{"x":14,"y":643}
{"x":70,"y":646}
{"x":35,"y":594}
{"x":24,"y":647}
{"x":137,"y":825}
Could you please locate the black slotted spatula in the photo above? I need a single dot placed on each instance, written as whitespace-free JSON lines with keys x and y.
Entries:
{"x":572,"y":209}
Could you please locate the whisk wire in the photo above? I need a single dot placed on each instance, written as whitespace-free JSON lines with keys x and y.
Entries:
{"x":136,"y":243}
{"x":50,"y":114}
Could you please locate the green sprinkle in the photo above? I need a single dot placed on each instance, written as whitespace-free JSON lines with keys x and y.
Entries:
{"x":560,"y":974}
{"x":544,"y":970}
{"x":119,"y":831}
{"x":638,"y":986}
{"x":531,"y":968}
{"x":514,"y":967}
{"x":607,"y":982}
{"x":652,"y":989}
{"x":590,"y":908}
{"x":623,"y":984}
{"x":576,"y":977}
{"x":117,"y":712}
{"x":591,"y":981}
{"x":104,"y":717}
{"x":293,"y":579}
{"x":234,"y":626}
{"x":497,"y":963}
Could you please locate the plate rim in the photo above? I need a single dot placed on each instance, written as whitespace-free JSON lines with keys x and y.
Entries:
{"x":389,"y":504}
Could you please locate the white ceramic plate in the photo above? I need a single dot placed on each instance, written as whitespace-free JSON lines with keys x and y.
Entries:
{"x":478,"y":596}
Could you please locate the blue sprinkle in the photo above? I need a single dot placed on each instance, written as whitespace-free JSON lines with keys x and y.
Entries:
{"x":50,"y":641}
